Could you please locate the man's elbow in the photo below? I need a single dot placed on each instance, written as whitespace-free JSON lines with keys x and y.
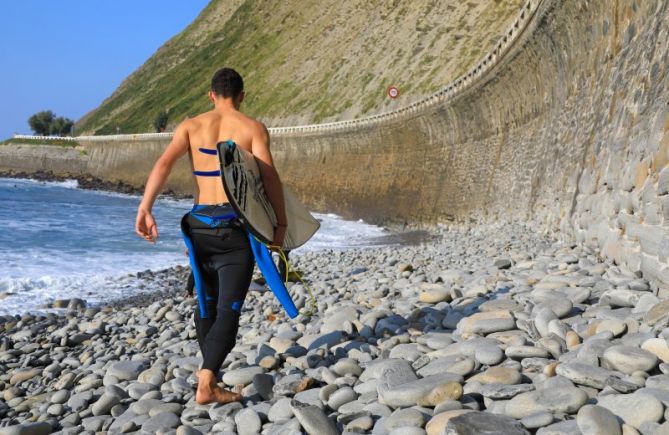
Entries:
{"x":163,"y":165}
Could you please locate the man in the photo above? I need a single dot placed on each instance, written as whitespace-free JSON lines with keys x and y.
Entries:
{"x":224,"y":256}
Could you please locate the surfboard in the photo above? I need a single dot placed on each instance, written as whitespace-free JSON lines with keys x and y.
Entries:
{"x":245,"y":190}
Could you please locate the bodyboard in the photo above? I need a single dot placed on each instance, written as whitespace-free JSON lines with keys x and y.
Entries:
{"x":245,"y":190}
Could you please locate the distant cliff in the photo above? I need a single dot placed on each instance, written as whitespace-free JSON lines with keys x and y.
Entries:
{"x":307,"y":61}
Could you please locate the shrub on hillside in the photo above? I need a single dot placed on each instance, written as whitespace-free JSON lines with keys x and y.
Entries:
{"x":62,"y":126}
{"x":46,"y":123}
{"x":160,"y":123}
{"x":40,"y":122}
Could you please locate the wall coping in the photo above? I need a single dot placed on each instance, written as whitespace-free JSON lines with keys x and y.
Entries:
{"x":446,"y":94}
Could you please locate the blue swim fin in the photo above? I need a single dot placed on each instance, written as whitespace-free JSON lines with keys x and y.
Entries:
{"x":271,"y":274}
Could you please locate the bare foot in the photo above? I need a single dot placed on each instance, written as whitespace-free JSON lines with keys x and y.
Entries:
{"x":209,"y":392}
{"x":215,"y":394}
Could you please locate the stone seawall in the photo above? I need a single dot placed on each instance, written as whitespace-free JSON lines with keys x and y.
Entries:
{"x":32,"y":158}
{"x":567,"y":125}
{"x":128,"y":161}
{"x":131,"y":162}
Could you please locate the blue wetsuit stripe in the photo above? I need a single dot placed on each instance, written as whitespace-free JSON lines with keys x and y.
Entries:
{"x":208,"y":151}
{"x":207,"y":173}
{"x":210,"y":220}
{"x":197,"y":278}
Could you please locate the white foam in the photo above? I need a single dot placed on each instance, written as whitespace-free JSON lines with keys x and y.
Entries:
{"x":36,"y":294}
{"x":81,"y":243}
{"x":68,"y":184}
{"x":337,"y":233}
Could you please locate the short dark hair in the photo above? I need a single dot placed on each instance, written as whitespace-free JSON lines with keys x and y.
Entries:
{"x":227,"y":83}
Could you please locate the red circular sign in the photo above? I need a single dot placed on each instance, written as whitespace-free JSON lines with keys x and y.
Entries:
{"x":393,"y":92}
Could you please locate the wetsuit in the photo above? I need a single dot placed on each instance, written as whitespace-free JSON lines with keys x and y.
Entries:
{"x":222,"y":256}
{"x":222,"y":266}
{"x":222,"y":271}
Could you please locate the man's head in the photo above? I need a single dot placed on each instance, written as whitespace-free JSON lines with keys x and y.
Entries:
{"x":227,"y":84}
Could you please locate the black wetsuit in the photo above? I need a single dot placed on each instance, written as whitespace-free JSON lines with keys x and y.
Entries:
{"x":225,"y":266}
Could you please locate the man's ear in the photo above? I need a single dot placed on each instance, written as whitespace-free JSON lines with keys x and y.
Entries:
{"x":242,"y":94}
{"x":212,"y":96}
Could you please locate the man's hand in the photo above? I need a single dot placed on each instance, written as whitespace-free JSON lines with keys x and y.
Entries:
{"x":145,"y":226}
{"x":279,"y":235}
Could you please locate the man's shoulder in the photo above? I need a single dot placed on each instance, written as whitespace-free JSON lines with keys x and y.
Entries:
{"x":255,"y":127}
{"x":252,"y":121}
{"x":196,"y":122}
{"x":207,"y":118}
{"x":199,"y":119}
{"x":262,"y":129}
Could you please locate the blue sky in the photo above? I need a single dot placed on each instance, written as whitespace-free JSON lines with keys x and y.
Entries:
{"x":69,"y":55}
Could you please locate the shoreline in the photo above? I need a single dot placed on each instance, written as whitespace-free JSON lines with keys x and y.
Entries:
{"x":146,"y":278}
{"x":88,"y":182}
{"x":150,"y":279}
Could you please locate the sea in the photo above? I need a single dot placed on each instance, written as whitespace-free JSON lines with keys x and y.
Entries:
{"x":58,"y":241}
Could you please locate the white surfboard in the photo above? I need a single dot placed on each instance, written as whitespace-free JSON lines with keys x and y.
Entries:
{"x":246,"y":192}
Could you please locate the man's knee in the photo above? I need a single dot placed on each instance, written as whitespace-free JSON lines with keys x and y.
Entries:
{"x":233,"y":308}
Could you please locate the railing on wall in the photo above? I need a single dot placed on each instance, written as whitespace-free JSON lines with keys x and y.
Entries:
{"x":447,"y":93}
{"x":113,"y":137}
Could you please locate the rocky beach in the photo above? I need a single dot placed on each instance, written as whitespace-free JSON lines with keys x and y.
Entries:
{"x":537,"y":158}
{"x":490,"y":329}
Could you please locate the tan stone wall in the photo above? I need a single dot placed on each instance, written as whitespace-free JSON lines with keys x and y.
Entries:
{"x":566,"y":125}
{"x":131,"y":162}
{"x":572,"y":131}
{"x":31,"y":158}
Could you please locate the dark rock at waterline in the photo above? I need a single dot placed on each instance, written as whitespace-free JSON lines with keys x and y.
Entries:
{"x":60,"y":303}
{"x":86,"y":181}
{"x":76,"y":304}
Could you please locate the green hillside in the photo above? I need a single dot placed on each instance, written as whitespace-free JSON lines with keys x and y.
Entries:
{"x":308,"y":61}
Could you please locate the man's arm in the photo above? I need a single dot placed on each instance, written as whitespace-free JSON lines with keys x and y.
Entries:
{"x":271,"y":181}
{"x":145,"y":225}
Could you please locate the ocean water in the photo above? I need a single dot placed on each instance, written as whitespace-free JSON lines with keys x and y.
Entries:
{"x":58,"y":241}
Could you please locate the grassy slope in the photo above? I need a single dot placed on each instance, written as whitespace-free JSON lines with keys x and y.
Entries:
{"x":311,"y":61}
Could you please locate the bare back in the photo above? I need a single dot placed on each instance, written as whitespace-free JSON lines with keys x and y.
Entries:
{"x":204,"y":132}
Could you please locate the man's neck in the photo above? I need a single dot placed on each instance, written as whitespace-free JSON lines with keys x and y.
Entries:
{"x":225,"y":106}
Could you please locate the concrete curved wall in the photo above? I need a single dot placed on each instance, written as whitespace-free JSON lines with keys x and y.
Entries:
{"x":588,"y":85}
{"x":566,"y":124}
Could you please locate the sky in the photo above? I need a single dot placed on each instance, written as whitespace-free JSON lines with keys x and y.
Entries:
{"x":69,"y":55}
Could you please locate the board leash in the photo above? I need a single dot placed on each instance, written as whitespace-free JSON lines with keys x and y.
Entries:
{"x":289,"y":269}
